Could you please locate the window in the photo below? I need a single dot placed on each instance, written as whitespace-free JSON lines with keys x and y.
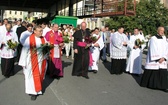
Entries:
{"x":10,"y":12}
{"x":20,"y":13}
{"x":15,"y":12}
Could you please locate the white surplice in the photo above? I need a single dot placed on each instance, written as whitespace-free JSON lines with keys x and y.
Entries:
{"x":24,"y":35}
{"x":158,"y":48}
{"x":117,"y":49}
{"x":135,"y":58}
{"x":2,"y":32}
{"x":5,"y":51}
{"x":25,"y":62}
{"x":95,"y":51}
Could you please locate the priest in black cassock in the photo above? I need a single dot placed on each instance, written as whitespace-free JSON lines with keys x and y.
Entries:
{"x":81,"y":56}
{"x":155,"y":75}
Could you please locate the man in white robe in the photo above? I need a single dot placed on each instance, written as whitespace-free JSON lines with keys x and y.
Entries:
{"x":135,"y":58}
{"x":118,"y":51}
{"x":155,"y":75}
{"x":95,"y":50}
{"x":16,"y":26}
{"x":34,"y":63}
{"x":45,"y":28}
{"x":26,"y":33}
{"x":7,"y":54}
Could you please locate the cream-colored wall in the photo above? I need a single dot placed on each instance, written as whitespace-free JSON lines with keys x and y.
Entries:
{"x":18,"y":14}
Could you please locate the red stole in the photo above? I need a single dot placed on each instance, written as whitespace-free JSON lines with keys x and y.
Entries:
{"x":52,"y":38}
{"x":38,"y":78}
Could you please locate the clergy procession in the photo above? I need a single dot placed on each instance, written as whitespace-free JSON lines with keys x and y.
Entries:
{"x":39,"y":49}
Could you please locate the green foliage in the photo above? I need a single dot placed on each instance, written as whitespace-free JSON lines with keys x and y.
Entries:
{"x":149,"y":15}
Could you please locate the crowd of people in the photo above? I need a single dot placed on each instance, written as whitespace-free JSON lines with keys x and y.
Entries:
{"x":39,"y":48}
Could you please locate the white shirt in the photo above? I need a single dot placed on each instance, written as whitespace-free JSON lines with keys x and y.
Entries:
{"x":24,"y":36}
{"x":133,"y":38}
{"x":2,"y":29}
{"x":45,"y":30}
{"x":15,"y":28}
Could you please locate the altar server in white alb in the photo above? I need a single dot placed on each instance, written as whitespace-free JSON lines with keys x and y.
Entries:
{"x":34,"y":63}
{"x":45,"y":28}
{"x":95,"y":50}
{"x":24,"y":35}
{"x":155,"y":75}
{"x":135,"y":58}
{"x":118,"y":51}
{"x":7,"y":53}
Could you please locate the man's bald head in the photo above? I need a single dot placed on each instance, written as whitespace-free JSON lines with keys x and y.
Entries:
{"x":160,"y":30}
{"x":83,"y":25}
{"x":55,"y":27}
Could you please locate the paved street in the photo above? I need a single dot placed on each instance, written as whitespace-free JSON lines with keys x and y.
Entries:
{"x":101,"y":89}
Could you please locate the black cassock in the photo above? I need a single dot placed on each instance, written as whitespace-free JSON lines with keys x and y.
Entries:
{"x":81,"y":59}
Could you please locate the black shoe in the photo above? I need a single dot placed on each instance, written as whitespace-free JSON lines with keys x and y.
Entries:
{"x":7,"y":76}
{"x":165,"y":90}
{"x":79,"y":75}
{"x":87,"y":77}
{"x":33,"y":97}
{"x":57,"y":77}
{"x":95,"y":71}
{"x":137,"y":75}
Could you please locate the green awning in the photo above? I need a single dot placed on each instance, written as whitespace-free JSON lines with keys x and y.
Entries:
{"x":65,"y":20}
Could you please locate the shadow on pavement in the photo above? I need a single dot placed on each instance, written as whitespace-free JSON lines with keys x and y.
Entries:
{"x":66,"y":64}
{"x":107,"y":65}
{"x":2,"y":80}
{"x":46,"y":83}
{"x":138,"y":77}
{"x":17,"y":68}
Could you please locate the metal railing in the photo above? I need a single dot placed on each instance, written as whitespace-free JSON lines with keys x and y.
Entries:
{"x":105,"y":8}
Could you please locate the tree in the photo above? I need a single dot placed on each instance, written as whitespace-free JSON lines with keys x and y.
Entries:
{"x":149,"y":15}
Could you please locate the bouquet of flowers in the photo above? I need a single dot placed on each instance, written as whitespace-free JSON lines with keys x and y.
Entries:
{"x":45,"y":48}
{"x":93,"y":39}
{"x":66,"y":38}
{"x":138,"y":42}
{"x":90,"y":40}
{"x":12,"y":45}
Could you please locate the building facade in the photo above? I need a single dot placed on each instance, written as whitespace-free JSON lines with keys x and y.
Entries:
{"x":24,"y":15}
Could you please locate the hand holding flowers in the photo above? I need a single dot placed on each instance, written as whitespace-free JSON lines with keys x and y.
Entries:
{"x":12,"y":45}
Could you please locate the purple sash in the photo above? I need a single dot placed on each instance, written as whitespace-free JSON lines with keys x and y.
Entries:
{"x":83,"y":44}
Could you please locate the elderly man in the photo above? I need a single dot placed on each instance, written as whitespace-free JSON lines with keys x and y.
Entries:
{"x":34,"y":63}
{"x":155,"y":75}
{"x":81,"y":50}
{"x":55,"y":62}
